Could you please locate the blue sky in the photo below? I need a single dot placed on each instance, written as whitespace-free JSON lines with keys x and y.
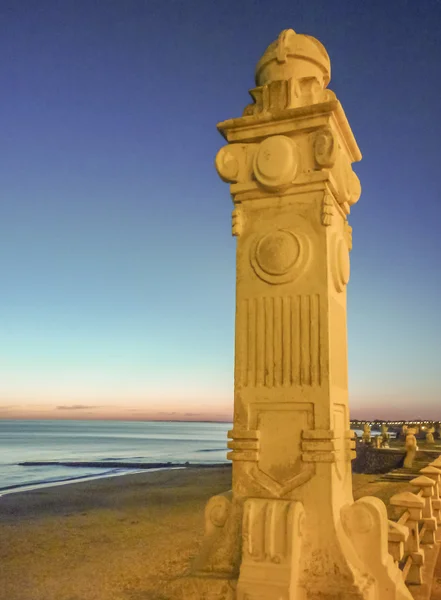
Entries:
{"x":117,"y":262}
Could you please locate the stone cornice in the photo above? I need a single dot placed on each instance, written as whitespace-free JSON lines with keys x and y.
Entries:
{"x":252,"y":128}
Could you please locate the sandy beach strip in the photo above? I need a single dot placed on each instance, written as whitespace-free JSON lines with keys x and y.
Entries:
{"x":119,"y":538}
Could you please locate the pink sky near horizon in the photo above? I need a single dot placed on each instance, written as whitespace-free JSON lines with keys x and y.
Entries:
{"x":200,"y":407}
{"x":78,"y":392}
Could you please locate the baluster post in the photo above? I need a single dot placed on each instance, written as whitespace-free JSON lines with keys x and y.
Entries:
{"x":397,"y":537}
{"x":414,"y":505}
{"x":429,"y":521}
{"x":435,"y":474}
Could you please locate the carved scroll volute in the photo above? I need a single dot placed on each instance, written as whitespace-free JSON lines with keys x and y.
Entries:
{"x":216,"y":512}
{"x":325,"y":148}
{"x":350,"y":184}
{"x":273,"y":164}
{"x":233,"y":162}
{"x":329,"y":155}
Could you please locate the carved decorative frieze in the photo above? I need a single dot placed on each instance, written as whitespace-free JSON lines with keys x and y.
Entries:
{"x":237,"y":219}
{"x":283,"y":94}
{"x":279,"y":341}
{"x":319,"y":445}
{"x":323,"y":445}
{"x":327,"y":209}
{"x":278,"y":468}
{"x":325,"y":148}
{"x":271,"y":543}
{"x":273,"y":97}
{"x":244,"y":444}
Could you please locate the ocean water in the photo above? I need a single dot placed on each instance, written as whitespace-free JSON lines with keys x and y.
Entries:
{"x":120,"y":443}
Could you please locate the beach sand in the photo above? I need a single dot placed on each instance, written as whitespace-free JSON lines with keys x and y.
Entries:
{"x":119,"y":538}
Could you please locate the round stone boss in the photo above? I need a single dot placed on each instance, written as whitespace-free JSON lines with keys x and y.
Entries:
{"x":276,"y":161}
{"x":227,"y":162}
{"x":276,"y":253}
{"x":278,"y":256}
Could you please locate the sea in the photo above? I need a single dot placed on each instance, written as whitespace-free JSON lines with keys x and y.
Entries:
{"x":103,"y":449}
{"x":95,"y":449}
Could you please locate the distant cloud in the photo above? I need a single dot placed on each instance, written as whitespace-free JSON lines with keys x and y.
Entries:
{"x":145,"y":411}
{"x":76,"y":407}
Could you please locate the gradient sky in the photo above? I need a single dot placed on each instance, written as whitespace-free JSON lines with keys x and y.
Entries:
{"x":117,"y":262}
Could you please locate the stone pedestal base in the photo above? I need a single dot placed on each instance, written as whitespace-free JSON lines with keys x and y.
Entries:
{"x":277,"y":561}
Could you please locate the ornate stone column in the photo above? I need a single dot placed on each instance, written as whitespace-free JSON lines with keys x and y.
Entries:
{"x":292,"y":529}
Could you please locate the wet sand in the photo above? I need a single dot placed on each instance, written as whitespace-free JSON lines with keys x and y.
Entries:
{"x":120,"y":538}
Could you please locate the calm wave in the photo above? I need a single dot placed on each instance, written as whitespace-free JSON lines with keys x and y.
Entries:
{"x":100,"y":442}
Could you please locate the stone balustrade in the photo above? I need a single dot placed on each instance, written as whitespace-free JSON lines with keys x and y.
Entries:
{"x":426,"y":485}
{"x":413,"y":558}
{"x":435,"y":474}
{"x":415,"y":530}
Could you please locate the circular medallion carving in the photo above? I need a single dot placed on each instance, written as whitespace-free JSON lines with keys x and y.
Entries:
{"x":276,"y":253}
{"x":340,"y":264}
{"x":279,"y":256}
{"x":276,"y":161}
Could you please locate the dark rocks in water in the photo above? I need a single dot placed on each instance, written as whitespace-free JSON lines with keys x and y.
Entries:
{"x":114,"y":464}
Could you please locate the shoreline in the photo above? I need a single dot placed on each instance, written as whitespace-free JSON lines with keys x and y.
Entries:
{"x":117,"y":469}
{"x":107,"y":492}
{"x":116,"y":464}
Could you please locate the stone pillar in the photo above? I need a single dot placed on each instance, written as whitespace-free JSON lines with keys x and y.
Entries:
{"x":384,"y":436}
{"x":411,"y":448}
{"x":429,"y":435}
{"x":293,"y":529}
{"x":398,"y":535}
{"x":366,"y":437}
{"x":289,"y":165}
